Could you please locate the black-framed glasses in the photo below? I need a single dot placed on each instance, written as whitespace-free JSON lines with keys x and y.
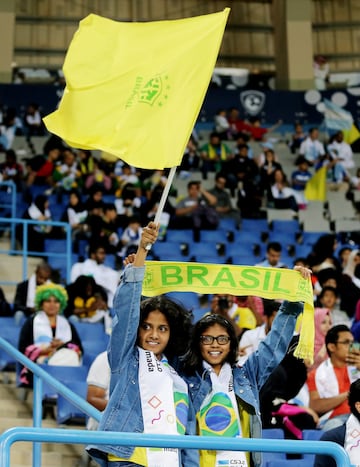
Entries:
{"x":208,"y":340}
{"x":347,"y":342}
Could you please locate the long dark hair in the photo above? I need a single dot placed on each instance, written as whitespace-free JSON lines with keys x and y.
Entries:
{"x":179,"y":320}
{"x":192,"y":361}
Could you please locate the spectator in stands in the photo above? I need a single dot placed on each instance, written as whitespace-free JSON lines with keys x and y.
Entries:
{"x":99,"y":177}
{"x":266,"y":146}
{"x":190,"y":161}
{"x":33,"y":121}
{"x":241,"y":169}
{"x":328,"y":298}
{"x":131,"y":236}
{"x":214,"y":155}
{"x":24,"y":300}
{"x":243,"y":312}
{"x":85,"y":161}
{"x":40,"y":168}
{"x":322,"y":254}
{"x":355,"y":328}
{"x":215,"y":382}
{"x":98,"y":386}
{"x":311,"y":148}
{"x":94,"y":203}
{"x":236,"y":125}
{"x":296,"y":138}
{"x":341,"y":151}
{"x":346,"y":435}
{"x":258,"y":132}
{"x":221,"y":124}
{"x":104,"y":229}
{"x":251,"y":339}
{"x":37,"y":211}
{"x":76,"y":215}
{"x":329,"y":383}
{"x":277,"y":405}
{"x":224,"y":206}
{"x":87,"y":302}
{"x":197,"y":210}
{"x":142,"y":348}
{"x":350,"y":283}
{"x":281,"y":195}
{"x":267,"y":168}
{"x":66,"y":175}
{"x":94,"y":266}
{"x":323,"y":323}
{"x":273,"y":256}
{"x":11,"y":170}
{"x":299,"y":179}
{"x":48,"y":337}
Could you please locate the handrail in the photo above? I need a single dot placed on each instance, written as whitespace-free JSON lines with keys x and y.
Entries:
{"x":25,"y":252}
{"x":12,"y":205}
{"x":38,"y":434}
{"x":41,"y":375}
{"x":167,"y":441}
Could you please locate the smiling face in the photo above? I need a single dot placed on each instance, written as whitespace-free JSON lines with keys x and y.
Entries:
{"x":154,"y":333}
{"x":215,"y":354}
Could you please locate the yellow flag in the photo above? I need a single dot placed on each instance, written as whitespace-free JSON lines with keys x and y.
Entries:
{"x":351,"y":135}
{"x":315,"y":189}
{"x":135,"y":90}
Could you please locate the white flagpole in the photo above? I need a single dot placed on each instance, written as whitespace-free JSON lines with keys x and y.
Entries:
{"x":163,"y":199}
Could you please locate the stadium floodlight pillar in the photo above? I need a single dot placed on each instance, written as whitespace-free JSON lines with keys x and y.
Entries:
{"x":7,"y":28}
{"x":293,"y":45}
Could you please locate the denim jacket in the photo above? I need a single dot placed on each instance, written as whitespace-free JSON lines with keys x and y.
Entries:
{"x":123,"y":411}
{"x":249,"y":378}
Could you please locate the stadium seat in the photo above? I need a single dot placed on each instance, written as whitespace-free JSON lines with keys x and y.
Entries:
{"x":189,"y":300}
{"x":269,"y":457}
{"x":90,"y":331}
{"x":285,"y":225}
{"x":66,"y":411}
{"x":64,"y":374}
{"x":311,"y":435}
{"x":182,"y":236}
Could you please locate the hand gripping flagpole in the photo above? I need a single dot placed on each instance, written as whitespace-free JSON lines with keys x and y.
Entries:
{"x":163,"y":199}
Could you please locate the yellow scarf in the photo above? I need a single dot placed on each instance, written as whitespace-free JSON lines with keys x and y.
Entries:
{"x":274,"y":283}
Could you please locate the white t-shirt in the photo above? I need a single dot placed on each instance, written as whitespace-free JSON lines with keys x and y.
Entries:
{"x":99,"y":375}
{"x":251,"y":340}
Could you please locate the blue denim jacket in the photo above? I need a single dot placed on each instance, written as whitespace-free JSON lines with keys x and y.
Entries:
{"x":123,"y":411}
{"x":249,"y":378}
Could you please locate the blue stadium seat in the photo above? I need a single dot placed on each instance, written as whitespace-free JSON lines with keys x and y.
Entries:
{"x":64,"y":374}
{"x":10,"y":332}
{"x":182,"y":236}
{"x":66,"y":411}
{"x":214,"y":236}
{"x":285,"y":225}
{"x":254,"y":225}
{"x":212,"y":259}
{"x":244,"y":260}
{"x":189,"y":300}
{"x":166,"y":248}
{"x":311,"y":435}
{"x":90,"y":331}
{"x":269,"y":457}
{"x":203,"y":248}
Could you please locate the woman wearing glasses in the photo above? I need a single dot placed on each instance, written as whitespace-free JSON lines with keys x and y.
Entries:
{"x":226,"y":397}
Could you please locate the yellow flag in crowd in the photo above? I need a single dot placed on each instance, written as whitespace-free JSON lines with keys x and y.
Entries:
{"x":135,"y":90}
{"x":315,"y":189}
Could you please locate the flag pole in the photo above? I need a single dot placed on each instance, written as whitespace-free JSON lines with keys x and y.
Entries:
{"x":163,"y":199}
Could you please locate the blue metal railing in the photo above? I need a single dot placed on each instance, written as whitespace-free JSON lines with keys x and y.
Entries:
{"x":37,"y":435}
{"x":55,"y":435}
{"x":26,"y":253}
{"x":8,"y":195}
{"x":41,"y":376}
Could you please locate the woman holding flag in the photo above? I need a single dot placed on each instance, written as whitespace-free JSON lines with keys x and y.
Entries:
{"x":146,"y":393}
{"x":226,"y":397}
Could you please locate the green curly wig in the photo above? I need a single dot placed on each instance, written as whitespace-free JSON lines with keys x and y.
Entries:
{"x":45,"y":291}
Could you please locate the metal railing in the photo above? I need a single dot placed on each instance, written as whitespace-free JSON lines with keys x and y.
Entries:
{"x":25,"y":253}
{"x":37,"y":435}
